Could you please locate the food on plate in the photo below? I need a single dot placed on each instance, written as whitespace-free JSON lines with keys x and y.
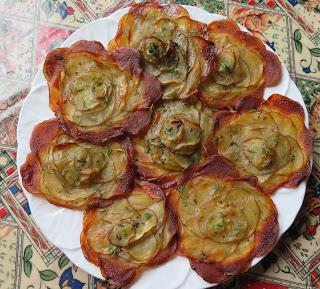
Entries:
{"x":133,"y":231}
{"x":97,"y":95}
{"x":225,"y":220}
{"x":172,"y":45}
{"x":269,"y":141}
{"x":243,"y":67}
{"x":174,"y":140}
{"x":72,"y":173}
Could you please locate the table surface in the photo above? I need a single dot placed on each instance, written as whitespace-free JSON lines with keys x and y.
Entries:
{"x":30,"y":28}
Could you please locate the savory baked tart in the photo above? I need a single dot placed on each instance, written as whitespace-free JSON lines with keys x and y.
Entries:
{"x":173,"y":46}
{"x":225,"y":220}
{"x":174,"y":140}
{"x":133,"y":231}
{"x":72,"y":173}
{"x":270,"y":141}
{"x":97,"y":95}
{"x":243,"y":67}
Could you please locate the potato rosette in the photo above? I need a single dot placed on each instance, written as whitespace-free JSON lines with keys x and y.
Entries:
{"x":97,"y":95}
{"x":225,"y":220}
{"x":174,"y":141}
{"x":134,"y":231}
{"x":172,"y":45}
{"x":243,"y":67}
{"x":270,"y":141}
{"x":76,"y":174}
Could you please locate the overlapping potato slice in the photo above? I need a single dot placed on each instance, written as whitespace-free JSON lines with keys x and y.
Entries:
{"x":225,"y":220}
{"x":98,"y":96}
{"x":270,"y":142}
{"x":133,"y":231}
{"x":75,"y":174}
{"x":174,"y":140}
{"x":172,"y":45}
{"x":243,"y":67}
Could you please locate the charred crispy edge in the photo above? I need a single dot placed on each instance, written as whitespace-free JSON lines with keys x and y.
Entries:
{"x":248,"y":103}
{"x":115,"y":270}
{"x":124,"y":26}
{"x":212,"y":274}
{"x":129,"y":59}
{"x":272,"y":67}
{"x":91,"y":47}
{"x":224,"y":25}
{"x":215,"y":167}
{"x":52,"y":68}
{"x":30,"y":174}
{"x":54,"y":64}
{"x":43,"y":134}
{"x":152,"y":90}
{"x":208,"y":53}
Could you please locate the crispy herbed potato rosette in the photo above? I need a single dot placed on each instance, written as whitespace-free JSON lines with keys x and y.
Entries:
{"x":174,"y":141}
{"x":270,"y":141}
{"x":243,"y":67}
{"x":225,"y":220}
{"x":133,"y":231}
{"x":97,"y":95}
{"x":172,"y":45}
{"x":75,"y":174}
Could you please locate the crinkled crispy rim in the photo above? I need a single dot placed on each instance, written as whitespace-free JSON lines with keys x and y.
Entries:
{"x":272,"y":64}
{"x":266,"y":236}
{"x":43,"y":134}
{"x":129,"y":61}
{"x":117,"y":271}
{"x":284,"y":106}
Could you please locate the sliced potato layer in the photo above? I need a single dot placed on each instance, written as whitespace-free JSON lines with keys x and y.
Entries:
{"x":174,"y":140}
{"x":225,"y":220}
{"x":243,"y":67}
{"x":133,"y":231}
{"x":73,"y":173}
{"x":172,"y":46}
{"x":271,"y":143}
{"x":98,"y":96}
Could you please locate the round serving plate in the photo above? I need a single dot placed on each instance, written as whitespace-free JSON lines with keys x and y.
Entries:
{"x":63,"y":226}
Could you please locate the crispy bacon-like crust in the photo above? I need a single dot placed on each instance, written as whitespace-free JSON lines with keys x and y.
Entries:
{"x":272,"y":65}
{"x":128,"y":62}
{"x":31,"y":171}
{"x":288,"y":109}
{"x":265,"y":236}
{"x":118,"y":271}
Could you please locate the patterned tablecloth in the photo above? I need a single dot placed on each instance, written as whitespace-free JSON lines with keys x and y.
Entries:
{"x":30,"y":28}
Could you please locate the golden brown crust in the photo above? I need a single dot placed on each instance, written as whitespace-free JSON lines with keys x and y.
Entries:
{"x":265,"y":236}
{"x":128,"y":62}
{"x":31,"y":171}
{"x":271,"y":67}
{"x":118,"y":271}
{"x":287,"y":109}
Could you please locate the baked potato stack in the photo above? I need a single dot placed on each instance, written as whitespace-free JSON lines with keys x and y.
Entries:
{"x":166,"y":142}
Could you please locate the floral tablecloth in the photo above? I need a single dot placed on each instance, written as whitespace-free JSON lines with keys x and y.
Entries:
{"x":30,"y":28}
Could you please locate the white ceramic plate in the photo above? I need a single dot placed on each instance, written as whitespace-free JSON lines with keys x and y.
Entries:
{"x":63,"y":226}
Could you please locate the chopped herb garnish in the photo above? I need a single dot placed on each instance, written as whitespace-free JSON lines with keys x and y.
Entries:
{"x":148,"y":216}
{"x":266,"y":149}
{"x":234,"y":143}
{"x":148,"y":149}
{"x":218,"y":227}
{"x":135,"y":224}
{"x":169,"y":130}
{"x":109,"y":151}
{"x":112,"y":250}
{"x":106,"y":99}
